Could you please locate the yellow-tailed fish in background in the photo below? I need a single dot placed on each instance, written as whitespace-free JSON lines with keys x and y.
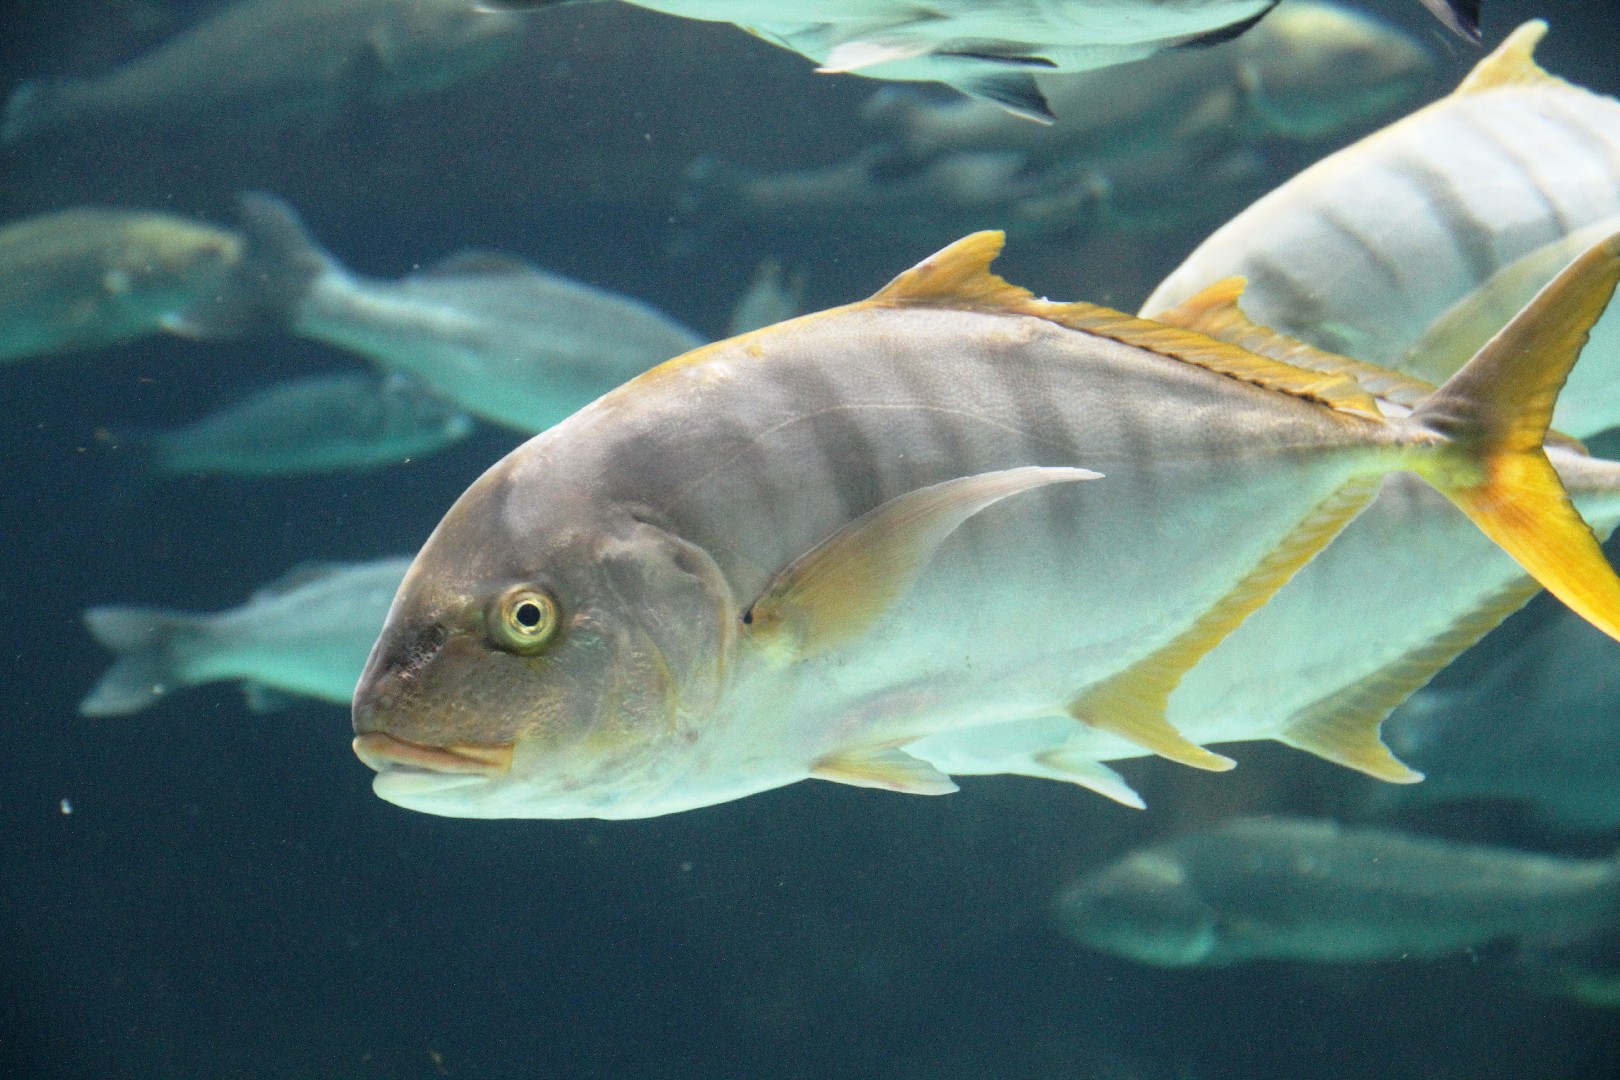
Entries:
{"x":794,"y":553}
{"x":1414,"y":245}
{"x":988,"y":49}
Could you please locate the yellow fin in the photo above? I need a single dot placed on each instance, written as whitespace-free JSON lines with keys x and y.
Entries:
{"x":1512,"y":63}
{"x":885,"y":767}
{"x":1333,"y":389}
{"x":1344,"y":727}
{"x":957,"y":277}
{"x":833,"y":593}
{"x":1493,"y":414}
{"x":1133,"y":703}
{"x":1215,"y":311}
{"x":1076,"y":768}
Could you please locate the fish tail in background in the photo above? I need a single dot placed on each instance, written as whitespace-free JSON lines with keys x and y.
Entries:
{"x":280,"y":261}
{"x":1494,"y":415}
{"x":150,"y":645}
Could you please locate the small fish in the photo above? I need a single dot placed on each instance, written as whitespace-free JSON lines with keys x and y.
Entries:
{"x":794,"y":553}
{"x":991,"y":49}
{"x":1411,"y":248}
{"x":306,"y":634}
{"x":1538,"y":727}
{"x":274,"y":63}
{"x":90,"y":277}
{"x":1282,"y":888}
{"x":319,"y":423}
{"x":499,"y":338}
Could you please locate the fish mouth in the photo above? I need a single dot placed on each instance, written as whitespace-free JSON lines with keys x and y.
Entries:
{"x":389,"y":754}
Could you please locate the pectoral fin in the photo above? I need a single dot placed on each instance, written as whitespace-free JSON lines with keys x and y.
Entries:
{"x":833,"y":593}
{"x":887,"y":767}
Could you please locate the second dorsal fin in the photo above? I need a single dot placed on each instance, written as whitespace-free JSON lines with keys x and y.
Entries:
{"x":1215,"y":312}
{"x":1512,"y":63}
{"x":958,"y":277}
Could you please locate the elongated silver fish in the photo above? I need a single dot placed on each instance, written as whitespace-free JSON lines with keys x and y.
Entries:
{"x":501,"y":339}
{"x":794,"y":553}
{"x":273,"y":62}
{"x":94,"y":276}
{"x":318,"y":423}
{"x":306,"y":634}
{"x":990,"y":48}
{"x":1281,"y":888}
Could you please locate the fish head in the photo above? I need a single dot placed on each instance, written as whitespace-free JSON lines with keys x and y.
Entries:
{"x":545,"y":658}
{"x":425,"y":47}
{"x":1312,"y":69}
{"x":1144,"y":909}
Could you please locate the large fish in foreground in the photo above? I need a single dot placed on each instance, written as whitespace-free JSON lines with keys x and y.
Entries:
{"x":794,"y":553}
{"x":1299,"y":889}
{"x":989,"y":49}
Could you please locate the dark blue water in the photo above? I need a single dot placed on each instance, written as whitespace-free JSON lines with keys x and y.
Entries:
{"x":228,"y":899}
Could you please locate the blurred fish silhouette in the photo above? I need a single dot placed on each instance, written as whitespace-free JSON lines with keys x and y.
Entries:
{"x":787,"y":555}
{"x":273,"y":63}
{"x":91,"y":276}
{"x":1281,"y":888}
{"x":314,"y":424}
{"x":306,"y":634}
{"x":498,"y":337}
{"x":989,"y":49}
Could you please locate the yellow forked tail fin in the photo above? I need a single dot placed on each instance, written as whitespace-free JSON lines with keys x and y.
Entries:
{"x":1494,"y":414}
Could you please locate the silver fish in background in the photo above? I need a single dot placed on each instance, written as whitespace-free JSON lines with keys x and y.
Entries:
{"x":1116,"y":159}
{"x":319,"y":423}
{"x":990,"y":49}
{"x":93,"y":276}
{"x":1541,"y":727}
{"x":1306,"y":890}
{"x":1432,"y":231}
{"x":306,"y":634}
{"x":501,"y":339}
{"x":273,"y":63}
{"x":782,"y":556}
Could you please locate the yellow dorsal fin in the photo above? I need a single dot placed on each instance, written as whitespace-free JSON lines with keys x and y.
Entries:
{"x":1194,"y":347}
{"x":1132,"y":703}
{"x":1215,"y":311}
{"x":957,"y":277}
{"x":1344,"y":727}
{"x":1512,"y":63}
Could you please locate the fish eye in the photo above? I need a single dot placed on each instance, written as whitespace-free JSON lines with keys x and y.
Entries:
{"x":523,"y":620}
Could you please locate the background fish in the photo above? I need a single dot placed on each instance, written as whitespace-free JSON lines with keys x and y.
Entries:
{"x":307,"y":634}
{"x":318,"y":423}
{"x":501,"y":339}
{"x":1281,"y":888}
{"x":91,"y":276}
{"x":273,"y":62}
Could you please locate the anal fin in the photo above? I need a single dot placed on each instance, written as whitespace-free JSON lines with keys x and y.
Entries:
{"x":1133,"y":703}
{"x":885,"y":767}
{"x":1345,"y":726}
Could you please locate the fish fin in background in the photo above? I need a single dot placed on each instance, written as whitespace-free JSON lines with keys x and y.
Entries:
{"x":833,"y":593}
{"x":1512,"y":63}
{"x":885,"y":767}
{"x":146,"y":642}
{"x":1075,"y":768}
{"x":1216,"y":311}
{"x":1346,"y":727}
{"x":1222,"y":34}
{"x":1494,"y":413}
{"x":1461,"y":17}
{"x":1133,"y":703}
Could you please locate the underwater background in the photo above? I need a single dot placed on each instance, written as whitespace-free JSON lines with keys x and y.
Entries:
{"x":201,"y":890}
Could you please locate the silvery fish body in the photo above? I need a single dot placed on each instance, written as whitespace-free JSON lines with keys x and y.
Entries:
{"x":1453,"y":216}
{"x":91,"y":276}
{"x":501,"y":339}
{"x":1542,"y":727}
{"x":318,"y":423}
{"x":274,"y":62}
{"x":1280,"y":888}
{"x":306,"y":634}
{"x":823,"y":548}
